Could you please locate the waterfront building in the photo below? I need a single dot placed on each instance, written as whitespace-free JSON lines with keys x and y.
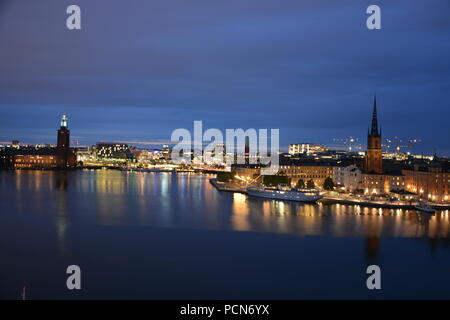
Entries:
{"x":382,"y":184}
{"x":86,"y":154}
{"x":166,"y":152}
{"x":247,"y":172}
{"x":431,"y":182}
{"x":347,"y":177}
{"x":316,"y":172}
{"x":42,"y":157}
{"x":404,"y":195}
{"x":27,"y":158}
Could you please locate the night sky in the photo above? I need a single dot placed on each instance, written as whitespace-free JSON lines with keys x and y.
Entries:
{"x":139,"y":69}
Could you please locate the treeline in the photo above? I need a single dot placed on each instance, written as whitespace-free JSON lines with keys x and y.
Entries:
{"x":275,"y":180}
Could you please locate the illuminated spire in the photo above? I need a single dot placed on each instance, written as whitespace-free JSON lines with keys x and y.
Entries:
{"x":374,"y":128}
{"x":64,"y":120}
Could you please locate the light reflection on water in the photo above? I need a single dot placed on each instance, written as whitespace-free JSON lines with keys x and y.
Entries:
{"x":50,"y":219}
{"x":189,"y":200}
{"x":335,"y":220}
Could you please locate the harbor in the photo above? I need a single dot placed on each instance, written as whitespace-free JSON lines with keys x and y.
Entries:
{"x":330,"y":198}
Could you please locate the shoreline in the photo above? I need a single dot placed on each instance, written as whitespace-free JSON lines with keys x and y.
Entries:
{"x":331,"y":200}
{"x":233,"y":187}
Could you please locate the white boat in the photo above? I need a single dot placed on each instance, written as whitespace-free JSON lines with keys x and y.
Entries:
{"x":283,"y":192}
{"x":421,"y":206}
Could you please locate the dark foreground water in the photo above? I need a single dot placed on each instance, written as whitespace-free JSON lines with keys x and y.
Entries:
{"x":163,"y":235}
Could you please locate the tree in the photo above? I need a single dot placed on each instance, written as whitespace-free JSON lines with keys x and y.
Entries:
{"x":275,"y":180}
{"x":310,"y":184}
{"x":225,"y":176}
{"x":328,"y":184}
{"x":300,"y":184}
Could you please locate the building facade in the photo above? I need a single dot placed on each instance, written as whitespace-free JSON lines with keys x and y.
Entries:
{"x":247,"y":172}
{"x":29,"y":158}
{"x":347,"y":178}
{"x":381,"y":184}
{"x":316,"y":172}
{"x":431,"y":183}
{"x":306,"y":148}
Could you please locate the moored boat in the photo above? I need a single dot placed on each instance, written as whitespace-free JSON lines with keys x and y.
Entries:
{"x":283,"y":192}
{"x":423,"y":207}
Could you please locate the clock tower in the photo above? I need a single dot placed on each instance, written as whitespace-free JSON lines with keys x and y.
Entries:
{"x":374,"y":160}
{"x":62,"y":148}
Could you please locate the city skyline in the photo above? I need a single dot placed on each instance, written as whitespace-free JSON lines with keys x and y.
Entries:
{"x":350,"y":144}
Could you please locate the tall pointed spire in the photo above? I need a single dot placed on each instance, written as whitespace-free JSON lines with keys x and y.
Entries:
{"x":374,"y":128}
{"x":374,"y":158}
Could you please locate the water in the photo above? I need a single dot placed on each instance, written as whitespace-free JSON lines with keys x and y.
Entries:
{"x":166,"y":236}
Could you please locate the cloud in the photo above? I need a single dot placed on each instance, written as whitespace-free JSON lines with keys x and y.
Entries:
{"x":309,"y":68}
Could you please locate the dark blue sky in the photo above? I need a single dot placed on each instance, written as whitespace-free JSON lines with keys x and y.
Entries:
{"x":140,"y":69}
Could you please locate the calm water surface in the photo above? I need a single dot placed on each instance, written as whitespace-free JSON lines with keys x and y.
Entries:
{"x":165,"y":235}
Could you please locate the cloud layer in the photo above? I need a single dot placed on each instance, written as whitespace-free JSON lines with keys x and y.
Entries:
{"x":139,"y":69}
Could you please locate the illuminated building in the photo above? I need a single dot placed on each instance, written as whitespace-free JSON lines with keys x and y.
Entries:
{"x":113,"y":152}
{"x":379,"y":184}
{"x":143,"y":156}
{"x":374,"y":160}
{"x":374,"y":180}
{"x":246,"y":171}
{"x":404,"y":195}
{"x":86,"y":154}
{"x":216,"y":156}
{"x":28,"y":158}
{"x":431,"y":182}
{"x":42,"y":158}
{"x":347,"y":178}
{"x":166,"y":152}
{"x":316,"y":172}
{"x":307,"y":148}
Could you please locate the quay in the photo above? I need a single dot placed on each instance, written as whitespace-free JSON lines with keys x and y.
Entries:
{"x":329,"y":199}
{"x":380,"y":204}
{"x":228,"y":186}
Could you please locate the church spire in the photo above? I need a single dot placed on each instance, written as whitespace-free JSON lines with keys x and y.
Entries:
{"x":374,"y":153}
{"x":374,"y":128}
